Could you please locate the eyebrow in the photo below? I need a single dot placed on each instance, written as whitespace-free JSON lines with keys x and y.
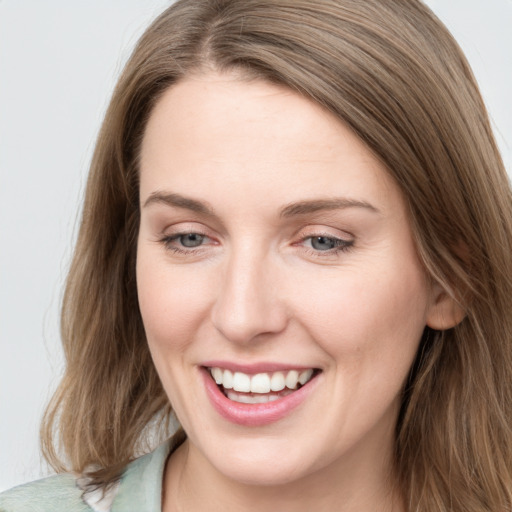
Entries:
{"x":179,"y":201}
{"x":290,"y":210}
{"x":316,"y":205}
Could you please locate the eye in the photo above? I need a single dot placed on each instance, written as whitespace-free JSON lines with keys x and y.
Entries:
{"x":323,"y":243}
{"x":185,"y":242}
{"x":326,"y":244}
{"x":190,"y":239}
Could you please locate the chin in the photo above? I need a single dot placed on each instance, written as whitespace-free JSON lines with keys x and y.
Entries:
{"x":264,"y":473}
{"x":263,"y":460}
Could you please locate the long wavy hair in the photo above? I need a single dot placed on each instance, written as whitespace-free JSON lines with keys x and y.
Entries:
{"x":391,"y":72}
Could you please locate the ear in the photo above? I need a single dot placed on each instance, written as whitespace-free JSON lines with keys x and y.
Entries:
{"x":445,"y":311}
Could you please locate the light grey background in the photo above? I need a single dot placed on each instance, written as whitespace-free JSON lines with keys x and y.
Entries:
{"x":58,"y":64}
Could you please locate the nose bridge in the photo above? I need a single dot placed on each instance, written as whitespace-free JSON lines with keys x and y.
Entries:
{"x":248,"y":302}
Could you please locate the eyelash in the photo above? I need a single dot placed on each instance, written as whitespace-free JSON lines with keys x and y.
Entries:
{"x":169,"y":239}
{"x":340,"y":245}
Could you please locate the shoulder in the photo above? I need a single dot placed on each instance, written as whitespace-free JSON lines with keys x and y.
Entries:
{"x":140,"y":488}
{"x":53,"y":494}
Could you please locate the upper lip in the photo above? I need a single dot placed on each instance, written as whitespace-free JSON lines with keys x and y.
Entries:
{"x":254,"y":368}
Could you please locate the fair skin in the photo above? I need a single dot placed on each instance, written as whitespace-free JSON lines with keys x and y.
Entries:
{"x":271,"y":239}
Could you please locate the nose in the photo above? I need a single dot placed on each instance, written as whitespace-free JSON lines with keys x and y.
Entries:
{"x":249,"y":303}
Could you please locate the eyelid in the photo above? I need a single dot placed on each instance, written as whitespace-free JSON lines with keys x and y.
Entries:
{"x":322,"y":230}
{"x":183,"y":228}
{"x":169,"y":237}
{"x":171,"y":244}
{"x":344,"y":242}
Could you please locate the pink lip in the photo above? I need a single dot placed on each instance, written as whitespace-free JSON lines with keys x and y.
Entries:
{"x":254,"y":415}
{"x":253,"y":368}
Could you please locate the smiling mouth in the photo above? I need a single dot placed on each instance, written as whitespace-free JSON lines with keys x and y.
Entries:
{"x":261,"y":387}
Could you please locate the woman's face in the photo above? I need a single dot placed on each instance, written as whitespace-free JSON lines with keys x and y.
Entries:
{"x":275,"y":250}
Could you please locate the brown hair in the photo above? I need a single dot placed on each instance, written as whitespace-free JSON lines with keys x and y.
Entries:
{"x":391,"y":72}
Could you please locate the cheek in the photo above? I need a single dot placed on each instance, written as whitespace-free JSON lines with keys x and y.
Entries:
{"x":370,"y":326}
{"x":172,"y":303}
{"x":367,"y":315}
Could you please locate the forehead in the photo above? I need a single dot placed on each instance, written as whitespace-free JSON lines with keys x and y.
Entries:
{"x":214,"y":131}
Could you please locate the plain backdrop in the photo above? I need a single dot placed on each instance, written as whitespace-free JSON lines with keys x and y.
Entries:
{"x":58,"y":64}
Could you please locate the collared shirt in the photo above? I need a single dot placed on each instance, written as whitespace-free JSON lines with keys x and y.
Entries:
{"x":139,"y":489}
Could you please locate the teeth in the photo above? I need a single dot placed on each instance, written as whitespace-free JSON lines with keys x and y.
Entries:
{"x":227,"y":379}
{"x":217,"y":375}
{"x":241,"y":382}
{"x":254,"y":399}
{"x":305,"y":376}
{"x":292,"y":378}
{"x":277,"y":382}
{"x":262,"y":383}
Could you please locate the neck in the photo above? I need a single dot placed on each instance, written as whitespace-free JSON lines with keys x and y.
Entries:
{"x":191,"y":484}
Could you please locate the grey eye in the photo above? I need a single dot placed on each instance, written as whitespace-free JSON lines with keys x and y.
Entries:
{"x":191,"y":239}
{"x":323,"y":243}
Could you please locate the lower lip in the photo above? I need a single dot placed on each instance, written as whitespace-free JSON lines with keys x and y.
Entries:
{"x":254,"y":415}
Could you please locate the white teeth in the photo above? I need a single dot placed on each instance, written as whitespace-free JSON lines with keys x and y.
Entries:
{"x":241,"y":382}
{"x":260,"y":399}
{"x":292,"y":379}
{"x":277,"y":382}
{"x":217,"y":375}
{"x":262,"y":383}
{"x":305,"y":376}
{"x":227,"y":379}
{"x":254,"y":399}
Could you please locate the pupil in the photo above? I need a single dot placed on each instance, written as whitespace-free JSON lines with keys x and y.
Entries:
{"x":322,"y":243}
{"x":191,"y":240}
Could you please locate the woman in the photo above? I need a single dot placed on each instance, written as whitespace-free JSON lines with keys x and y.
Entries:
{"x":297,"y":233}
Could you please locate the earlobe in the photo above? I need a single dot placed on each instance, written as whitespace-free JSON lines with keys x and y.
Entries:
{"x":445,"y":312}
